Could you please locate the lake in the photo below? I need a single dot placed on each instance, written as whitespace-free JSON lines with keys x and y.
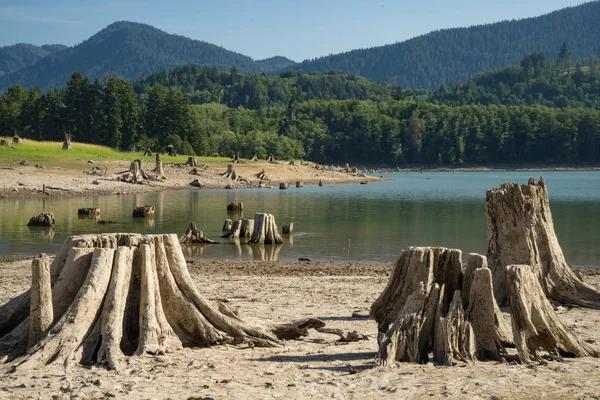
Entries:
{"x":379,"y":219}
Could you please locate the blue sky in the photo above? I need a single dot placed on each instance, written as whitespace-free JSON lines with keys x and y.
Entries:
{"x":298,"y":29}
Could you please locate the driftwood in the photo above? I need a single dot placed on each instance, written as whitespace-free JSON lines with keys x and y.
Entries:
{"x":227,"y":225}
{"x":299,"y":184}
{"x":143,"y":211}
{"x":197,"y":183}
{"x":284,"y":185}
{"x":345,"y":336}
{"x":535,"y":324}
{"x":194,"y":235}
{"x":288,"y":229}
{"x":42,"y":219}
{"x":297,"y":329}
{"x":88,"y":211}
{"x":235,"y":206}
{"x":191,"y":162}
{"x":520,"y":231}
{"x":116,"y":296}
{"x":265,"y":230}
{"x":160,"y":173}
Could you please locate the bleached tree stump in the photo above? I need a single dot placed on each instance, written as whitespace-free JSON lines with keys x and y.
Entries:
{"x":17,"y":139}
{"x":299,"y":184}
{"x":265,"y":230}
{"x":234,"y":232}
{"x":116,"y":296}
{"x":143,"y":211}
{"x":521,"y":231}
{"x":66,"y":144}
{"x":148,"y":153}
{"x":171,"y":151}
{"x":191,"y":162}
{"x":40,"y":309}
{"x":271,"y":158}
{"x":247,"y":228}
{"x":236,"y":157}
{"x":194,"y":235}
{"x":292,"y":162}
{"x":160,"y":173}
{"x":254,"y":158}
{"x":136,"y":173}
{"x":231,"y":173}
{"x":227,"y":225}
{"x":42,"y":219}
{"x":535,"y":324}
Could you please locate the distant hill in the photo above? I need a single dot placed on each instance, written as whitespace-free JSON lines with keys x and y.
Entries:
{"x":274,"y":63}
{"x":22,"y":55}
{"x":444,"y":56}
{"x":128,"y":50}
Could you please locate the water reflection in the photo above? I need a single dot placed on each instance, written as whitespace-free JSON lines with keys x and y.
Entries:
{"x":45,"y":233}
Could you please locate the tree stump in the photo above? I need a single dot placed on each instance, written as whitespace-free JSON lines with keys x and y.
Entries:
{"x":299,"y":184}
{"x":247,"y":228}
{"x":234,"y":232}
{"x":42,"y":219}
{"x":271,"y":158}
{"x":288,"y":229}
{"x":17,"y":140}
{"x":292,"y":163}
{"x":284,"y":185}
{"x":40,"y":308}
{"x":191,"y":162}
{"x":535,"y":324}
{"x":254,"y":158}
{"x":66,"y":144}
{"x":236,"y":206}
{"x":227,"y":225}
{"x":521,"y":231}
{"x":197,"y":183}
{"x":3,"y":142}
{"x":160,"y":173}
{"x":265,"y":230}
{"x":136,"y":173}
{"x":171,"y":151}
{"x":236,"y":157}
{"x":320,"y":182}
{"x":346,"y":168}
{"x":116,"y":296}
{"x":194,"y":235}
{"x":148,"y":153}
{"x":230,"y":173}
{"x":143,"y":211}
{"x":263,"y":176}
{"x":88,"y":211}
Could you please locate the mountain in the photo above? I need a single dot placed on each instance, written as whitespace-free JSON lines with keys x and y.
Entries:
{"x":128,"y":50}
{"x":274,"y":63}
{"x":448,"y":55}
{"x":21,"y":55}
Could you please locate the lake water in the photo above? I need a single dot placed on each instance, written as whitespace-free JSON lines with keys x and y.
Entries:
{"x":380,"y":219}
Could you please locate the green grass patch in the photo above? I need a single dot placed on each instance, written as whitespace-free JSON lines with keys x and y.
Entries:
{"x":51,"y":153}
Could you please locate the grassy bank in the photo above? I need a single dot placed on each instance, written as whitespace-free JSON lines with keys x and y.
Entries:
{"x":51,"y":153}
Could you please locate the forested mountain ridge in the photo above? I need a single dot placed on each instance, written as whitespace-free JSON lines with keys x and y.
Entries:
{"x":21,"y":55}
{"x":441,"y":57}
{"x":128,"y":50}
{"x":276,"y":63}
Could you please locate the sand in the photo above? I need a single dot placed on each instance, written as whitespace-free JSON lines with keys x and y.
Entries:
{"x":315,"y":367}
{"x":74,"y":179}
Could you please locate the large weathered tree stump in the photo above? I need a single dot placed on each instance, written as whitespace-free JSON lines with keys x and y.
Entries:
{"x":535,"y":324}
{"x":42,"y":219}
{"x":143,"y":211}
{"x":271,"y":158}
{"x":231,"y":173}
{"x":265,"y":230}
{"x":521,"y":231}
{"x":136,"y":173}
{"x":116,"y":296}
{"x":240,"y":228}
{"x":195,"y":235}
{"x":235,"y":206}
{"x":227,"y":224}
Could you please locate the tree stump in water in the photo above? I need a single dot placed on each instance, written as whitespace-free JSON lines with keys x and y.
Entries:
{"x":247,"y":228}
{"x":234,"y":232}
{"x":66,"y":144}
{"x":227,"y":225}
{"x":116,"y":296}
{"x":160,"y":173}
{"x":171,"y":151}
{"x":235,"y":206}
{"x":299,"y":184}
{"x":42,"y":219}
{"x":143,"y":211}
{"x":240,"y":228}
{"x":535,"y":324}
{"x":284,"y":185}
{"x":288,"y":229}
{"x":191,"y":162}
{"x":88,"y":211}
{"x":194,"y":235}
{"x":265,"y":230}
{"x":521,"y":231}
{"x":320,"y":182}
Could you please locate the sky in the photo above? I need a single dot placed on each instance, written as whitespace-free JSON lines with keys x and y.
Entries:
{"x":300,"y":29}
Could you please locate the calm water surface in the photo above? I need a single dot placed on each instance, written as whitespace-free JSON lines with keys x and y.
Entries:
{"x":380,"y":219}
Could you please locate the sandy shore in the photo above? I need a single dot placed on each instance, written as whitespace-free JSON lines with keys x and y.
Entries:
{"x":315,"y":367}
{"x":73,"y":180}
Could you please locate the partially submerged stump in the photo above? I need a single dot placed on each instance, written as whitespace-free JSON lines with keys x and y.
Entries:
{"x":299,"y":184}
{"x":88,"y":211}
{"x":42,"y":219}
{"x":143,"y":211}
{"x":194,"y":235}
{"x":234,"y":232}
{"x":240,"y":228}
{"x":320,"y":182}
{"x":521,"y":231}
{"x":535,"y":324}
{"x":116,"y":296}
{"x":254,"y":158}
{"x":160,"y":173}
{"x":235,"y":206}
{"x":284,"y":185}
{"x":227,"y":225}
{"x":288,"y":229}
{"x":265,"y":230}
{"x":191,"y":162}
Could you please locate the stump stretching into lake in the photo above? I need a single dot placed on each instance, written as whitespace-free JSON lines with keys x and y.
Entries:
{"x":432,"y":304}
{"x":320,"y":182}
{"x":240,"y":228}
{"x":235,"y":206}
{"x":143,"y":211}
{"x":88,"y":211}
{"x":521,"y":231}
{"x":254,"y":158}
{"x":115,"y":296}
{"x":42,"y":219}
{"x":195,"y":235}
